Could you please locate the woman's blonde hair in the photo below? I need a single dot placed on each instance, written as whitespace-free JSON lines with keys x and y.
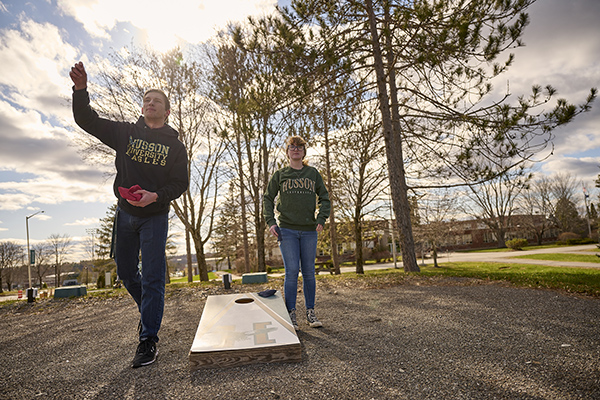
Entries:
{"x":296,"y":141}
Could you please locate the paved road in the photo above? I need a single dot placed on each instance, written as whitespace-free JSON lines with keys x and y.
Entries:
{"x":506,"y":257}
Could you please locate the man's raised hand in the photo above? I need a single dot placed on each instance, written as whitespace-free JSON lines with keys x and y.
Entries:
{"x":79,"y":76}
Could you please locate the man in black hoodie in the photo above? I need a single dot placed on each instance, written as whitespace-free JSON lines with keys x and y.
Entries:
{"x":152,"y":170}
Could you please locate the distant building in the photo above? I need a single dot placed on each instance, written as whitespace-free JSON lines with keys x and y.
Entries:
{"x":476,"y":234}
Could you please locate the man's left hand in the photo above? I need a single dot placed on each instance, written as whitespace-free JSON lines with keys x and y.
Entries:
{"x":147,"y":198}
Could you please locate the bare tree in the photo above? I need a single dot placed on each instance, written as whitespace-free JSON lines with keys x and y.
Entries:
{"x":60,"y":247}
{"x":495,"y":202}
{"x":566,"y":216}
{"x":362,"y":174}
{"x":230,"y":80}
{"x":538,"y":206}
{"x":430,"y":64}
{"x":117,"y":95}
{"x":11,"y":255}
{"x":42,"y":261}
{"x":253,"y":92}
{"x":331,"y":107}
{"x":436,"y":210}
{"x":565,"y":186}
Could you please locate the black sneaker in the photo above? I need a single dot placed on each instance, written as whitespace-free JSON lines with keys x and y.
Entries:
{"x":293,"y":319}
{"x":311,"y":317}
{"x":145,"y":354}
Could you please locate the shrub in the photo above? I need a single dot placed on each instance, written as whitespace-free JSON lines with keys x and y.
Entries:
{"x":381,"y":255}
{"x":367,"y":253}
{"x":563,"y":237}
{"x":517,"y":244}
{"x":573,"y":242}
{"x":100,"y":282}
{"x":571,"y":239}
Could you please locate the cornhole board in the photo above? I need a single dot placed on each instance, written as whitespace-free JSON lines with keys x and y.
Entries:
{"x":244,"y":328}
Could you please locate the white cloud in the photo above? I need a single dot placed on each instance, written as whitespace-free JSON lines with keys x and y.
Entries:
{"x":584,"y":168}
{"x":165,"y":24}
{"x":84,"y":222}
{"x":33,"y":65}
{"x":561,"y":50}
{"x":45,"y":155}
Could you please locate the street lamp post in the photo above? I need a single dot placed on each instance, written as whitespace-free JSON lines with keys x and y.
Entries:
{"x":30,"y":290}
{"x":92,"y":233}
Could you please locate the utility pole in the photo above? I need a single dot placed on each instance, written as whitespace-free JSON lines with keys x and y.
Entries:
{"x":92,"y":233}
{"x":587,"y":211}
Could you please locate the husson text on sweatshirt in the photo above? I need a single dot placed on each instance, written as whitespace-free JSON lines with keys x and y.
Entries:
{"x":155,"y":159}
{"x":299,"y":191}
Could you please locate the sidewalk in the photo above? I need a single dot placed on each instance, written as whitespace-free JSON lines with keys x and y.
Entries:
{"x":505,"y":257}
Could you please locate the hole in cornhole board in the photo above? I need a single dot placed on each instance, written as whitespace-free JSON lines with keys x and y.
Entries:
{"x":244,"y":300}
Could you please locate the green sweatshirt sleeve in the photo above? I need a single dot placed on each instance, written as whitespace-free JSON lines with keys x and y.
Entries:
{"x":269,"y":199}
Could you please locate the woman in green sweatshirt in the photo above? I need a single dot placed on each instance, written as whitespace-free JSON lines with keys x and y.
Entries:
{"x":298,"y":189}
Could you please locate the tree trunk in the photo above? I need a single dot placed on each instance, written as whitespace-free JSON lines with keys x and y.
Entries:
{"x":242,"y":205}
{"x":201,"y":259}
{"x":358,"y":242}
{"x":501,"y":240}
{"x":188,"y":251}
{"x":261,"y":225}
{"x":57,"y":273}
{"x":332,"y":224}
{"x":167,"y":275}
{"x":260,"y":239}
{"x":393,"y":146}
{"x":188,"y":245}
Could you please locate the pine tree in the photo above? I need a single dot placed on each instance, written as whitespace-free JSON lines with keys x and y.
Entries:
{"x":104,"y":233}
{"x":430,"y":66}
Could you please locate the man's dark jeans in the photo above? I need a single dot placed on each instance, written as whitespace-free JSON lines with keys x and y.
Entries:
{"x":146,"y":284}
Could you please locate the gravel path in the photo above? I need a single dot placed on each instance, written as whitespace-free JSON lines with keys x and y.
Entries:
{"x":421,"y":339}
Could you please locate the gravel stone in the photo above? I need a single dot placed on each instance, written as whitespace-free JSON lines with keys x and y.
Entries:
{"x":421,"y":338}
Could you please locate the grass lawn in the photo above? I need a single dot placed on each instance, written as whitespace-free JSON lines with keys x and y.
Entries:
{"x":574,"y":280}
{"x":590,"y":258}
{"x":535,"y":247}
{"x":184,"y":279}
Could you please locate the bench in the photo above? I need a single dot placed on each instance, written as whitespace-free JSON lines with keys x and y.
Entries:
{"x":325,"y":266}
{"x":70,"y":291}
{"x":256,"y":277}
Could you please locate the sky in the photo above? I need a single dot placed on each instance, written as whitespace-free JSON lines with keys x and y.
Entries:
{"x":41,"y":169}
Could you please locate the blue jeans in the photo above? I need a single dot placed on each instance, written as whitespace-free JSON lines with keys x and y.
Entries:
{"x":145,"y":285}
{"x":299,"y":249}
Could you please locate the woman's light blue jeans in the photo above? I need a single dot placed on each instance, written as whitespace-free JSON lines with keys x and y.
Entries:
{"x":146,"y":286}
{"x":299,"y":249}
